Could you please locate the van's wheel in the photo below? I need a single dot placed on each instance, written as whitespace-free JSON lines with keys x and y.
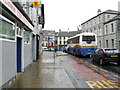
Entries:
{"x":101,"y":61}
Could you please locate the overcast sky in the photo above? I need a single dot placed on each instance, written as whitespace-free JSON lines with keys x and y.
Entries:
{"x":64,"y":14}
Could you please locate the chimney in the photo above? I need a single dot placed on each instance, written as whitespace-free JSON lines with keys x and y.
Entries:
{"x":68,"y":30}
{"x":99,"y":11}
{"x":59,"y":30}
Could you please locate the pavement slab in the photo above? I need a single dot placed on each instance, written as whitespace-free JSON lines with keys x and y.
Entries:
{"x":45,"y":73}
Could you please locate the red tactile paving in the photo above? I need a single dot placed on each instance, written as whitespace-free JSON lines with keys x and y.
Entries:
{"x":85,"y":72}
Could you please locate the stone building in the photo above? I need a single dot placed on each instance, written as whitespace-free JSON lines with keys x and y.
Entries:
{"x":63,"y":37}
{"x":105,"y":26}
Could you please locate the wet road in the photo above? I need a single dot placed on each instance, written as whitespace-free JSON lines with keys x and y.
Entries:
{"x":111,"y":67}
{"x":82,"y":71}
{"x":66,"y":71}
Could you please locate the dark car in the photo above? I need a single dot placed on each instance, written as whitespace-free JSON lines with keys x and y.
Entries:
{"x":106,"y":55}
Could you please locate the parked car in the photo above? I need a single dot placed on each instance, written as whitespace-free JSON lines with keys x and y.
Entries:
{"x":44,"y":48}
{"x":105,"y":55}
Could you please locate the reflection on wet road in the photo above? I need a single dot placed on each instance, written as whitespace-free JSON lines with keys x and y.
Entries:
{"x":66,"y":71}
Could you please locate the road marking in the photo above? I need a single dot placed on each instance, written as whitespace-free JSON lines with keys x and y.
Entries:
{"x":117,"y":76}
{"x":103,"y":84}
{"x":93,"y":84}
{"x":103,"y":70}
{"x":94,"y":66}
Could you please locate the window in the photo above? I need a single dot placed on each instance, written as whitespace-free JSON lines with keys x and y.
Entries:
{"x":112,"y":40}
{"x":107,"y":43}
{"x":108,"y":16}
{"x":106,"y":29}
{"x":90,"y":30}
{"x":112,"y":29}
{"x":26,"y":36}
{"x":94,"y":29}
{"x":7,"y":30}
{"x":88,"y":38}
{"x":74,"y":40}
{"x":52,"y":44}
{"x":100,"y":43}
{"x":60,"y":42}
{"x":19,"y":31}
{"x":60,"y":38}
{"x":64,"y":42}
{"x":99,"y":19}
{"x":111,"y":50}
{"x":99,"y":30}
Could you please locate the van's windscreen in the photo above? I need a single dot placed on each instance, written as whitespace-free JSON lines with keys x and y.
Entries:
{"x":88,"y":38}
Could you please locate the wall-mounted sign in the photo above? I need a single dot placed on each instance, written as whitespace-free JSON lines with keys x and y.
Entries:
{"x":36,"y":3}
{"x":16,"y":12}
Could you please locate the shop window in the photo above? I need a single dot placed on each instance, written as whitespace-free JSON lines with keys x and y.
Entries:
{"x":26,"y":37}
{"x":7,"y":30}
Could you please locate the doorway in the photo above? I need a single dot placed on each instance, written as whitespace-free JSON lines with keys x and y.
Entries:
{"x":37,"y":46}
{"x":19,"y":54}
{"x":33,"y":47}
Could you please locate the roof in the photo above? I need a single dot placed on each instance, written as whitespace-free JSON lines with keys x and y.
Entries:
{"x":47,"y":32}
{"x":68,"y":34}
{"x":107,"y":11}
{"x":114,"y":18}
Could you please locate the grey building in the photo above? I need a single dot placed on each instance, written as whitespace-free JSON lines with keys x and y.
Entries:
{"x":104,"y":29}
{"x":63,"y":37}
{"x":18,"y":40}
{"x":112,"y":33}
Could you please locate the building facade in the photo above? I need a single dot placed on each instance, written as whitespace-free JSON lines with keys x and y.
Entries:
{"x":63,"y":37}
{"x":48,"y":39}
{"x":18,"y":41}
{"x":106,"y":32}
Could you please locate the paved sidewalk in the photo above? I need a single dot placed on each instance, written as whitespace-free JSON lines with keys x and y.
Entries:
{"x":46,"y":73}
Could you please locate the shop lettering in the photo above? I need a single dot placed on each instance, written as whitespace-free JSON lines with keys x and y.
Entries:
{"x":103,"y":84}
{"x":9,"y":5}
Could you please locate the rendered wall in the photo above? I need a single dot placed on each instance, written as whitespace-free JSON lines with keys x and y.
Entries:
{"x":0,"y":63}
{"x":8,"y":61}
{"x":27,"y":54}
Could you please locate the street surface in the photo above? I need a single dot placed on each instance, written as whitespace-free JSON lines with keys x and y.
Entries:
{"x":83,"y":72}
{"x":67,"y":71}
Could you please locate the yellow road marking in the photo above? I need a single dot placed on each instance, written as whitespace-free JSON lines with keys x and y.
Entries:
{"x":103,"y":84}
{"x":93,"y":84}
{"x":94,"y":66}
{"x":103,"y":70}
{"x":117,"y":76}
